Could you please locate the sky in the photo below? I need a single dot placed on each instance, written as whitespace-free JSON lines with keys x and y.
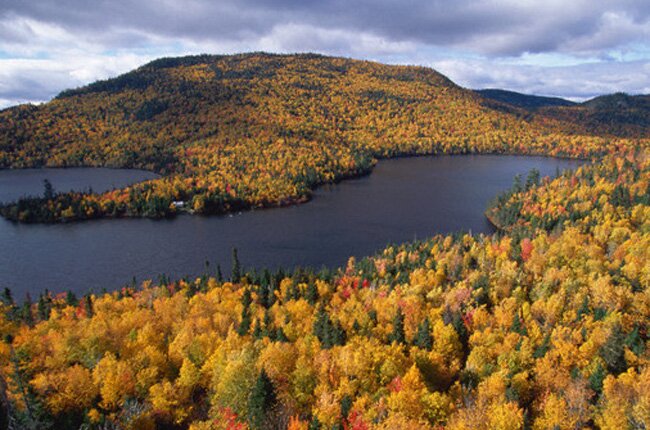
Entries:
{"x":575,"y":49}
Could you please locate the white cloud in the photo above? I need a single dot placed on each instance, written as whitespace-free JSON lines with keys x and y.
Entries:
{"x":35,"y":80}
{"x":576,"y":82}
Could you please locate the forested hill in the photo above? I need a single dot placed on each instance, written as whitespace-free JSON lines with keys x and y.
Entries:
{"x":525,"y":101}
{"x":618,"y":114}
{"x":231,"y":132}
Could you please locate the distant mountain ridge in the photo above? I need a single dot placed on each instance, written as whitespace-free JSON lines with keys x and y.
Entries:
{"x":618,"y":114}
{"x":619,"y":101}
{"x":525,"y":101}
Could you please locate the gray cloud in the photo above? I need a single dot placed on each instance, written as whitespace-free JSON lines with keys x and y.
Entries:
{"x":71,"y":42}
{"x":505,"y":27}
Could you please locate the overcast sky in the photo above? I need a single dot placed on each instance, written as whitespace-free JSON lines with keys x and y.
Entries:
{"x":570,"y":48}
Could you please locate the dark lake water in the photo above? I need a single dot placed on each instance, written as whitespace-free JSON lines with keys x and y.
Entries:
{"x":403,"y":199}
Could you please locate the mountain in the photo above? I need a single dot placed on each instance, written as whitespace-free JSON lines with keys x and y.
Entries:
{"x":618,"y":101}
{"x":257,"y":130}
{"x":524,"y":101}
{"x":616,"y":114}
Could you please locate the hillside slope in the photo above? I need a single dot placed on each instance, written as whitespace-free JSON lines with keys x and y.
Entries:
{"x":256,"y":130}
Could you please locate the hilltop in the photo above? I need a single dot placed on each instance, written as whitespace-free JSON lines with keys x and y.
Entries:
{"x":259,"y":130}
{"x":525,"y":101}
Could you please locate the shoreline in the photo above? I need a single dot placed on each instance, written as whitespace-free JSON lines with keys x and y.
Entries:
{"x":249,"y":206}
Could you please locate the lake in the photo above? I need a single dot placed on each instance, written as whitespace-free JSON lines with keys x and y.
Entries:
{"x":403,"y":199}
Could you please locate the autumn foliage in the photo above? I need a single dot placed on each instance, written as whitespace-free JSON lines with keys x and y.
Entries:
{"x":257,"y":130}
{"x":542,"y":325}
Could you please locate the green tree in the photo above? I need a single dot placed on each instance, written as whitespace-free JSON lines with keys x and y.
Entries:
{"x":71,"y":299}
{"x":328,"y":332}
{"x":423,"y":337}
{"x":88,"y":305}
{"x":532,"y":179}
{"x":48,"y":190}
{"x":398,"y":334}
{"x":245,"y":324}
{"x":261,"y":402}
{"x":235,"y":274}
{"x":312,"y":293}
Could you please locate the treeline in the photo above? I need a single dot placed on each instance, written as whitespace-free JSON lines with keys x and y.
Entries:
{"x":543,"y":325}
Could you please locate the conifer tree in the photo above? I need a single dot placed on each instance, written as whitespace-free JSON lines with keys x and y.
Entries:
{"x":219,"y":274}
{"x":26,"y":311}
{"x":312,"y":293}
{"x":71,"y":299}
{"x":398,"y":334}
{"x":235,"y":275}
{"x":257,"y":329}
{"x":88,"y":305}
{"x":423,"y":337}
{"x":245,"y":324}
{"x":261,"y":402}
{"x":7,"y":297}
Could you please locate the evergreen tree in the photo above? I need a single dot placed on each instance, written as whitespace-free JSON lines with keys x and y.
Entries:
{"x":44,"y":306}
{"x":34,"y":415}
{"x":263,"y":294}
{"x":245,"y":324}
{"x":257,"y":329}
{"x":7,"y":297}
{"x":261,"y":402}
{"x":328,"y":333}
{"x":635,"y":342}
{"x":293,"y":292}
{"x":596,"y":379}
{"x":88,"y":305}
{"x":314,"y":424}
{"x":235,"y":275}
{"x":423,"y":337}
{"x":541,"y":350}
{"x":517,"y":325}
{"x":346,"y":406}
{"x":373,"y":316}
{"x":532,"y":179}
{"x":71,"y":299}
{"x":219,"y":274}
{"x":398,"y":334}
{"x":246,"y":298}
{"x":620,"y":196}
{"x":26,"y":311}
{"x":312,"y":293}
{"x":280,"y":336}
{"x":267,"y":330}
{"x":48,"y":190}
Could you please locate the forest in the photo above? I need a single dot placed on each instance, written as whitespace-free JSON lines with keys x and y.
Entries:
{"x":261,"y":130}
{"x":541,"y":325}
